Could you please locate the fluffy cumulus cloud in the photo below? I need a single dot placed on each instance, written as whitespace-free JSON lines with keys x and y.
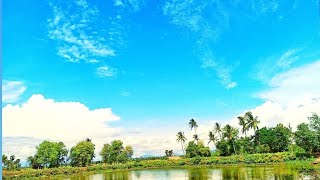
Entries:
{"x":47,"y":119}
{"x":294,"y":86}
{"x":12,"y":90}
{"x":41,"y":118}
{"x":291,"y":98}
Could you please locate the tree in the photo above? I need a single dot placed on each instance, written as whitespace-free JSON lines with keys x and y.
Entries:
{"x":196,"y":137}
{"x":128,"y":150}
{"x":307,"y":138}
{"x":192,"y":149}
{"x":116,"y":153}
{"x":217,"y":129}
{"x":166,"y":152}
{"x":315,"y":122}
{"x":212,"y":138}
{"x":182,"y":139}
{"x":82,"y":154}
{"x":253,"y":122}
{"x":230,"y":133}
{"x":198,"y":149}
{"x":243,"y":124}
{"x":105,"y":153}
{"x":49,"y":154}
{"x":193,"y":125}
{"x":276,"y":138}
{"x":12,"y":163}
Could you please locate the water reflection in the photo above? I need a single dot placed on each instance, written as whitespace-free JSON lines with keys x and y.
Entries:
{"x":221,"y":173}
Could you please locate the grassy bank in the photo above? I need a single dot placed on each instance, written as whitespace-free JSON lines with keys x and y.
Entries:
{"x":299,"y":160}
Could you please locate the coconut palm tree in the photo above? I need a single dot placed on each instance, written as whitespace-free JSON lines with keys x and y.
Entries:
{"x":196,"y":138}
{"x":253,"y":122}
{"x":231,"y":134}
{"x":212,"y":137}
{"x":217,"y":129}
{"x":182,"y":139}
{"x":243,"y":123}
{"x":193,"y":125}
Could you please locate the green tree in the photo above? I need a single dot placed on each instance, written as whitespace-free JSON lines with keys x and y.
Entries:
{"x":231,"y":133}
{"x":196,"y":138}
{"x":217,"y":129}
{"x":12,"y":163}
{"x":192,"y":149}
{"x":115,"y":152}
{"x":244,"y":125}
{"x":315,"y":122}
{"x":51,"y":154}
{"x":128,"y":150}
{"x":82,"y":154}
{"x":212,"y":138}
{"x":252,"y":121}
{"x":105,"y":153}
{"x":307,"y":138}
{"x":182,"y":139}
{"x":193,"y":125}
{"x":277,"y":138}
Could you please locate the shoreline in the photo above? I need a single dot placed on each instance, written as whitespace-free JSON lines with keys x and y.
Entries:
{"x":67,"y":171}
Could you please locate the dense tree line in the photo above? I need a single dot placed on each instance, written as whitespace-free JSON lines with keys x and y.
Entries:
{"x":54,"y":154}
{"x":230,"y":141}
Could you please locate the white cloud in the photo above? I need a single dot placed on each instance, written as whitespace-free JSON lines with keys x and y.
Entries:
{"x":24,"y":126}
{"x":296,"y":84}
{"x":277,"y":64}
{"x":12,"y":90}
{"x":106,"y":71}
{"x":191,"y":15}
{"x":232,"y":85}
{"x":74,"y":34}
{"x":291,"y":98}
{"x":47,"y":119}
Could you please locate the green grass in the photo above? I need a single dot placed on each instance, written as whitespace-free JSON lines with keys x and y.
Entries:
{"x":301,"y":161}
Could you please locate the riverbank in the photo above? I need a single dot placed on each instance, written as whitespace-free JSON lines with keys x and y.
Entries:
{"x":301,"y":161}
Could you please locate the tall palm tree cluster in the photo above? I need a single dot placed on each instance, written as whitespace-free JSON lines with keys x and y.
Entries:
{"x":247,"y":122}
{"x":182,"y":138}
{"x":227,"y":133}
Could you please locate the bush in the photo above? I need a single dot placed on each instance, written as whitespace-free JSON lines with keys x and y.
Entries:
{"x":196,"y":160}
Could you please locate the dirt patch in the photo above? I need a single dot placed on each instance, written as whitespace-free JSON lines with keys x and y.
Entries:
{"x":175,"y":158}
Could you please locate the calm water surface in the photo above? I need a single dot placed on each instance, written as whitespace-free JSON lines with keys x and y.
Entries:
{"x":261,"y":172}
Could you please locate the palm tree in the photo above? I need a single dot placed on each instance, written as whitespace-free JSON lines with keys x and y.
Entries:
{"x":231,"y":134}
{"x":252,"y":121}
{"x":182,"y":139}
{"x":212,"y":137}
{"x":244,"y":124}
{"x":217,"y":129}
{"x":196,"y":138}
{"x":193,"y":125}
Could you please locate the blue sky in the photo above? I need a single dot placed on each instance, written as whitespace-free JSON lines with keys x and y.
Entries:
{"x":158,"y":63}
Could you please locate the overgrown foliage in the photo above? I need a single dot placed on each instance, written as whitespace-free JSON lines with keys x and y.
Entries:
{"x":116,"y":153}
{"x":10,"y":163}
{"x":82,"y":154}
{"x":49,"y":154}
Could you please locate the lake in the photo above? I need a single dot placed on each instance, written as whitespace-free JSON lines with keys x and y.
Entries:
{"x":277,"y":172}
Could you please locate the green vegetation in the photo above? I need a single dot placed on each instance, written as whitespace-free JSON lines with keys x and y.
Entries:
{"x":116,"y":153}
{"x":82,"y":154}
{"x":228,"y":140}
{"x":48,"y":155}
{"x":266,"y":145}
{"x":10,"y":164}
{"x":302,"y":159}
